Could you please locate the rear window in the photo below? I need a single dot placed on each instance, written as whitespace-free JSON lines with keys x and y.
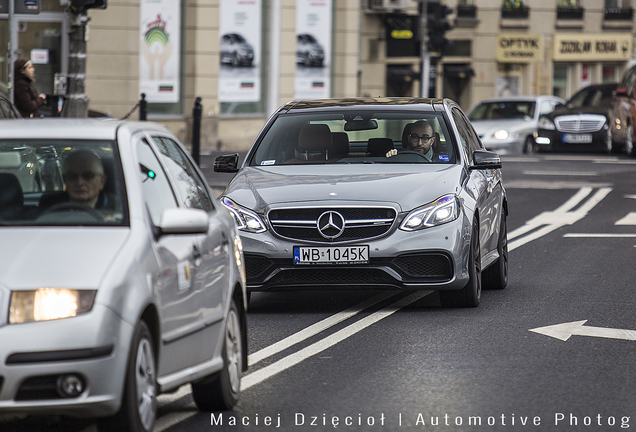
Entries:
{"x":61,"y":182}
{"x":350,"y":137}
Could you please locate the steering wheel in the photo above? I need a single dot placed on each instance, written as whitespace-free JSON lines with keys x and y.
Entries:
{"x":412,"y":152}
{"x":74,"y":207}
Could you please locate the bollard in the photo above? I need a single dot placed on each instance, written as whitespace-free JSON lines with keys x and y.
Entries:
{"x":143,"y":107}
{"x":196,"y":129}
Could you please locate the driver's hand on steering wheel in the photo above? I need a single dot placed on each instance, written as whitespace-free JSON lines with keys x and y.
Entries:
{"x":391,"y":152}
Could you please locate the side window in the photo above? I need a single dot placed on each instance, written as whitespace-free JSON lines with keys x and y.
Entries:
{"x":467,"y":136}
{"x":190,"y":187}
{"x":158,"y":193}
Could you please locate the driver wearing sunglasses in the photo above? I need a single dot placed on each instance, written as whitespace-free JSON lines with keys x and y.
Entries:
{"x":421,"y":139}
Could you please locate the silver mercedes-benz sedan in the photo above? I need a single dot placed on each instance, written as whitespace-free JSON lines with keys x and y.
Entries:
{"x":371,"y":193}
{"x":121,"y":277}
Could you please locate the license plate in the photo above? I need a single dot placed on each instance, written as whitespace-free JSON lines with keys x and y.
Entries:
{"x":331,"y":255}
{"x":577,"y":138}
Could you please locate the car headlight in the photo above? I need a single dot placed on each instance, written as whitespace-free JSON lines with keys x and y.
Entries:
{"x":46,"y":304}
{"x":246,"y":220}
{"x":546,"y":123}
{"x":501,"y":134}
{"x":440,"y":211}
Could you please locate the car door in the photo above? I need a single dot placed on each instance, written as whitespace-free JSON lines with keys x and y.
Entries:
{"x":485,"y":185}
{"x":210,"y":270}
{"x":176,"y":257}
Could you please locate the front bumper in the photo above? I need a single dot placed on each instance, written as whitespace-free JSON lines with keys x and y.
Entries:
{"x":432,"y":258}
{"x":35,"y":355}
{"x":553,"y":140}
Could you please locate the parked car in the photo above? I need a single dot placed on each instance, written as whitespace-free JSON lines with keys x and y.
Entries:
{"x":235,"y":50}
{"x":507,"y":125}
{"x":128,"y":283}
{"x":309,"y":52}
{"x":623,"y":113}
{"x":321,"y":204}
{"x":582,"y":124}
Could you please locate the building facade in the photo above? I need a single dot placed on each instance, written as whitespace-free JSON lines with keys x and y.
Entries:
{"x":244,"y":58}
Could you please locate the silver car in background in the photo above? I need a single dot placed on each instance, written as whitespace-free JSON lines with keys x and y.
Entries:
{"x":507,"y":125}
{"x":321,"y":204}
{"x":102,"y":308}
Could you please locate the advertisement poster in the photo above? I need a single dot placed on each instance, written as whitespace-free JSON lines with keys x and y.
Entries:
{"x":313,"y":49}
{"x":160,"y":50}
{"x":240,"y":51}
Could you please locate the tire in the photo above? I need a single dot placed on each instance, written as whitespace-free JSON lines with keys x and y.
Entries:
{"x":609,"y":142}
{"x":496,"y":276}
{"x":220,"y":391}
{"x":470,"y":295}
{"x":529,"y":147}
{"x":139,"y":402}
{"x":629,"y":141}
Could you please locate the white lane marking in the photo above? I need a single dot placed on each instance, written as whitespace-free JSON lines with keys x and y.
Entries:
{"x":552,"y":185}
{"x":547,"y":222}
{"x":566,"y":330}
{"x":616,"y":162}
{"x":168,"y":421}
{"x":329,"y":341}
{"x":316,"y":328}
{"x":562,"y":173}
{"x":598,"y":235}
{"x":630,"y":196}
{"x":520,"y":159}
{"x":629,"y":219}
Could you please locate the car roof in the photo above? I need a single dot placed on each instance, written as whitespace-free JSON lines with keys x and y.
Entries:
{"x":519,"y":98}
{"x":397,"y":103}
{"x":66,"y":128}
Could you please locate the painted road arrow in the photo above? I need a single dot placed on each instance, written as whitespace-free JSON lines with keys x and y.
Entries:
{"x":565,"y":330}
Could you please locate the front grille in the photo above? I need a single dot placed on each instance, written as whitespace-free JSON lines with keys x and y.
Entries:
{"x":430,"y":266}
{"x":332,"y":276}
{"x":360,"y":223}
{"x":583,"y":123}
{"x":38,"y":388}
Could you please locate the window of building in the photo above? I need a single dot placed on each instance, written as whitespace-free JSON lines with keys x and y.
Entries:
{"x":610,"y":74}
{"x":560,"y":80}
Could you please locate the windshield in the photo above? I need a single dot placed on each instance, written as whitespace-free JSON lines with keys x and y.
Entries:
{"x":502,"y":110}
{"x":61,"y":182}
{"x":349,"y":137}
{"x":591,"y":97}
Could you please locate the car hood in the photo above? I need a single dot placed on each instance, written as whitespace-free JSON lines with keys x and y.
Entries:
{"x":489,"y":127}
{"x":408,"y":186}
{"x":74,"y":257}
{"x":582,"y":110}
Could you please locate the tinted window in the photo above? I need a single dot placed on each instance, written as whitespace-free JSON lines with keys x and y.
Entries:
{"x":158,"y":194}
{"x":503,"y":110}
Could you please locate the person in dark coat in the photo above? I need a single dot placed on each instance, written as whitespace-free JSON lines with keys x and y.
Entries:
{"x":26,"y":98}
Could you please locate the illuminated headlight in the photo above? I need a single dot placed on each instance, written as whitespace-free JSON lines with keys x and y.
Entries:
{"x":441,"y":211}
{"x":246,"y":220}
{"x":46,"y":304}
{"x":501,"y":134}
{"x":546,"y":123}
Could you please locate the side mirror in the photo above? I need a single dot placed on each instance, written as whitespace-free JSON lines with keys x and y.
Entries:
{"x":183,"y":221}
{"x":226,"y":163}
{"x":484,"y":159}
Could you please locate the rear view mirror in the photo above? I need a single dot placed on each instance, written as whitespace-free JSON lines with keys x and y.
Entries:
{"x":484,"y":159}
{"x":226,"y":163}
{"x":621,"y":91}
{"x":358,"y":125}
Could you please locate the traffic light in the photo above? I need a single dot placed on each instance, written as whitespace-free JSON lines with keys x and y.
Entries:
{"x":437,"y":25}
{"x":79,"y":6}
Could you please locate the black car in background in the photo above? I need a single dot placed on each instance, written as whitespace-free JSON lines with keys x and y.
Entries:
{"x":582,"y":124}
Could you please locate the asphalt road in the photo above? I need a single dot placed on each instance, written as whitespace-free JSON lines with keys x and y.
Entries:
{"x":393,"y":361}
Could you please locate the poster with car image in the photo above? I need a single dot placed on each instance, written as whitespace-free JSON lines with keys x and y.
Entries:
{"x":313,"y":49}
{"x":240,"y":51}
{"x":160,"y":50}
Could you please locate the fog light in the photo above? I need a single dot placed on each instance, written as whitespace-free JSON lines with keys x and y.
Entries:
{"x":542,"y":140}
{"x":70,"y":385}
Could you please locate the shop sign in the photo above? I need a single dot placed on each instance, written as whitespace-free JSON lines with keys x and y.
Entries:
{"x":519,"y":48}
{"x":589,"y":47}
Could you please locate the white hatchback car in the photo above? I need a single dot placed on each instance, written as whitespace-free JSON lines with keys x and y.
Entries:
{"x":507,"y":125}
{"x":120,"y":279}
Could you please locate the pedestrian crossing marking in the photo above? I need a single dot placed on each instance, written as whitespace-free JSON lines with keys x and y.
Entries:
{"x":630,"y":219}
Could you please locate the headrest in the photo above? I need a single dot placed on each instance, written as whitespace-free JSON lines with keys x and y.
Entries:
{"x":379,"y":146}
{"x":340,"y":144}
{"x":405,"y":135}
{"x":11,"y":197}
{"x":314,"y":137}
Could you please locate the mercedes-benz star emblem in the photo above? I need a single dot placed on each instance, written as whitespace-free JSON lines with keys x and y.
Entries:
{"x":331,"y":224}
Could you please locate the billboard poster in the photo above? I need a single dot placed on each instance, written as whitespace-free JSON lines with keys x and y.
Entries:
{"x":313,"y":49}
{"x":160,"y":50}
{"x":240,"y":51}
